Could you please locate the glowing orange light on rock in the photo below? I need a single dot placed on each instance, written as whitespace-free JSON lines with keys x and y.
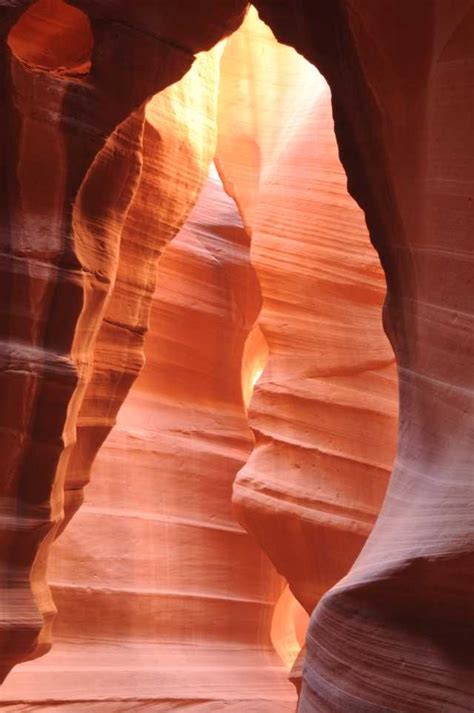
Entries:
{"x":253,"y":362}
{"x":53,"y":36}
{"x":289,"y":625}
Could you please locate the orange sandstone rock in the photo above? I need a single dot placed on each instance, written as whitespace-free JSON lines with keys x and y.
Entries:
{"x":324,"y":411}
{"x":190,"y":625}
{"x":73,"y":91}
{"x":164,"y":600}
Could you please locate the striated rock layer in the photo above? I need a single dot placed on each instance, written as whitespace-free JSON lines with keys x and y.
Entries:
{"x":80,"y":164}
{"x":396,"y":633}
{"x":73,"y":90}
{"x":183,"y":624}
{"x":324,"y":411}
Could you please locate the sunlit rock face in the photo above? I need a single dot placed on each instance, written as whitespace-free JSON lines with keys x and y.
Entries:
{"x":162,"y":597}
{"x":324,"y":410}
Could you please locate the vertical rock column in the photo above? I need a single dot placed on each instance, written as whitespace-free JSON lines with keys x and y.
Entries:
{"x":178,"y":147}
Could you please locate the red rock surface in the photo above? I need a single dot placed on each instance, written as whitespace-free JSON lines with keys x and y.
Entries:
{"x":396,"y":632}
{"x":163,"y":599}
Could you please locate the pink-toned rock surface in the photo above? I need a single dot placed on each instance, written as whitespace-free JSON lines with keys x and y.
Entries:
{"x":310,"y":548}
{"x":324,"y":411}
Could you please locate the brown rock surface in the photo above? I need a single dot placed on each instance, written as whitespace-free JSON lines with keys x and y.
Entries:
{"x":396,"y":633}
{"x":73,"y":91}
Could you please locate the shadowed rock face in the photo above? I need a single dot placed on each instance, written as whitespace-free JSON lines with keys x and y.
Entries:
{"x":94,"y":183}
{"x":395,"y":633}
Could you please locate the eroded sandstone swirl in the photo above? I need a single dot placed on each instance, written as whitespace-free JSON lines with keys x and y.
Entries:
{"x":156,"y":626}
{"x":324,"y":411}
{"x":72,"y":114}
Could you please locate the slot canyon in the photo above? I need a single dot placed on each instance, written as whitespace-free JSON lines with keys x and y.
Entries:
{"x":236,"y":356}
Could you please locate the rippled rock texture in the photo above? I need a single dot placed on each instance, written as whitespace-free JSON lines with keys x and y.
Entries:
{"x":396,"y":632}
{"x":324,"y":410}
{"x":173,"y":600}
{"x":268,"y":380}
{"x":78,"y":269}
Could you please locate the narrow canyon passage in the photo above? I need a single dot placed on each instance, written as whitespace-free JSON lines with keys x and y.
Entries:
{"x":186,"y":622}
{"x":201,"y":405}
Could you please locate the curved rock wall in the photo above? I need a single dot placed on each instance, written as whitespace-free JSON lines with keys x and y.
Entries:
{"x":73,"y":88}
{"x":55,"y":286}
{"x":76,"y":179}
{"x":172,"y":600}
{"x":396,"y":632}
{"x":324,"y":411}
